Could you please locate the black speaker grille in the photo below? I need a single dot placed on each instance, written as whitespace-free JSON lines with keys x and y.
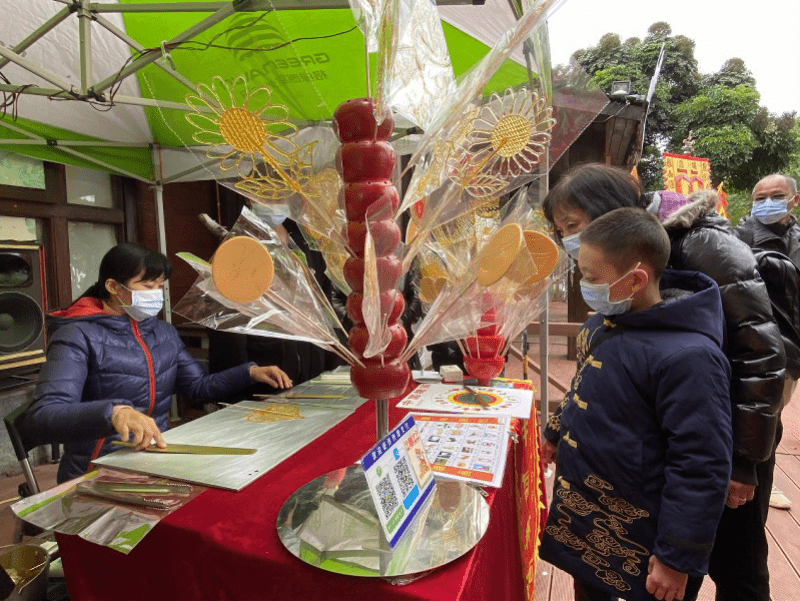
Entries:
{"x":21,"y":322}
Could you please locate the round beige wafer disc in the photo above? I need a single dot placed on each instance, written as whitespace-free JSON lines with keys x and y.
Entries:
{"x":544,"y":253}
{"x":242,"y":269}
{"x":429,"y":288}
{"x":499,"y":253}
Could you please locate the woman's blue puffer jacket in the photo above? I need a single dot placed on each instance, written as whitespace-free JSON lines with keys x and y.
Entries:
{"x":96,"y":360}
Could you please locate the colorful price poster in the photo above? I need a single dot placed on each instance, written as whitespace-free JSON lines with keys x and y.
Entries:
{"x":470,"y":448}
{"x":399,"y":478}
{"x":457,"y":399}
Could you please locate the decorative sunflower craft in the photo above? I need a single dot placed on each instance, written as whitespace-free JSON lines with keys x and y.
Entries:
{"x":476,"y":149}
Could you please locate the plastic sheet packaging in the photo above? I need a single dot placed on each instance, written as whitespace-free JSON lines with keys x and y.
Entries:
{"x":292,"y":307}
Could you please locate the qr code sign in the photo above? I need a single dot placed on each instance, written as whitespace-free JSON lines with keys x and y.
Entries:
{"x":387,"y":496}
{"x":403,"y":475}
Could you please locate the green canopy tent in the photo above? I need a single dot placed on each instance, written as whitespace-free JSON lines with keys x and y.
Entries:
{"x":100,"y":84}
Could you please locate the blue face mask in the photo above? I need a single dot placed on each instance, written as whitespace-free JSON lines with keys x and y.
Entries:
{"x":572,"y":244}
{"x":596,"y":296}
{"x":144,"y":303}
{"x":770,"y":210}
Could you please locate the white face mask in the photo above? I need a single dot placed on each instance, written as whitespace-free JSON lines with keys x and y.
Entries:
{"x":572,"y":244}
{"x":144,"y":303}
{"x":596,"y":296}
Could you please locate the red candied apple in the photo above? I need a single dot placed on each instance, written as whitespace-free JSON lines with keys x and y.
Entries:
{"x":485,"y":346}
{"x":489,"y":325}
{"x":385,"y":236}
{"x":359,"y":196}
{"x":389,"y":268}
{"x":380,"y":381}
{"x":359,"y":336}
{"x":391,"y":300}
{"x":355,"y":120}
{"x":484,"y":369}
{"x":365,"y":161}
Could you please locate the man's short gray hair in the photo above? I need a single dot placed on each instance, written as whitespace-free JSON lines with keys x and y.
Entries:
{"x":791,"y":183}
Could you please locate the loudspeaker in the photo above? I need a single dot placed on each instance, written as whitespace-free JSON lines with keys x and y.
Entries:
{"x":23,"y":301}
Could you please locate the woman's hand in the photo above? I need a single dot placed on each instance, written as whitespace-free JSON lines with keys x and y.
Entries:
{"x":126,"y":421}
{"x":272,"y":375}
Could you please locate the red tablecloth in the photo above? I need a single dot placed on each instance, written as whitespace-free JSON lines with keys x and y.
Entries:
{"x":224,"y":545}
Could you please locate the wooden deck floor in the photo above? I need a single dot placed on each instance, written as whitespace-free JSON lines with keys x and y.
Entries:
{"x":783,"y":528}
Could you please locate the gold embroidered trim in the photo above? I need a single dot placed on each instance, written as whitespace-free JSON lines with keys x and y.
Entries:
{"x":608,"y":538}
{"x":569,"y":441}
{"x":580,"y":403}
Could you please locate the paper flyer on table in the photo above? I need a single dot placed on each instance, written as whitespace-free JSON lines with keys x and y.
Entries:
{"x":471,"y":448}
{"x":457,"y":399}
{"x":399,"y":478}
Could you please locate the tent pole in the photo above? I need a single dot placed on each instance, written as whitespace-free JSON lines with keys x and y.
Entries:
{"x":92,"y":143}
{"x":174,"y":414}
{"x":36,"y":91}
{"x":103,"y":22}
{"x":85,"y":37}
{"x":38,"y":33}
{"x":152,"y":56}
{"x":177,"y":176}
{"x":103,"y":164}
{"x":35,"y":69}
{"x":162,"y":234}
{"x":253,"y":6}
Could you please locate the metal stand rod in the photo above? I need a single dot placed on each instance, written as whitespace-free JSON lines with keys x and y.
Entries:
{"x":382,"y":417}
{"x":544,"y":347}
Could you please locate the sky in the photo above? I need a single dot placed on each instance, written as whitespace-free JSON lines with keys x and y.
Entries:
{"x":764,"y":36}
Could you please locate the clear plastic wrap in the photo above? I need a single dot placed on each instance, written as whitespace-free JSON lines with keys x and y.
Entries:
{"x":292,"y":307}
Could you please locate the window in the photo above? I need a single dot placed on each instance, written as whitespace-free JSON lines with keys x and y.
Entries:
{"x":77,"y":217}
{"x":88,"y":242}
{"x":89,"y":187}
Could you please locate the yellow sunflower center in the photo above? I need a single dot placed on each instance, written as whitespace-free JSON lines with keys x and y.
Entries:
{"x":515,"y":131}
{"x":242,"y":129}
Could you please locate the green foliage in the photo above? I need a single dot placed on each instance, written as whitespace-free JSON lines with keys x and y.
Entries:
{"x":794,"y":160}
{"x":733,"y":73}
{"x":739,"y":203}
{"x":716,"y":106}
{"x":742,"y":140}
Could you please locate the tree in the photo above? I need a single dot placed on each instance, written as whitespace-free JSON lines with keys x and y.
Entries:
{"x":635,"y":60}
{"x":733,"y":73}
{"x":742,"y":140}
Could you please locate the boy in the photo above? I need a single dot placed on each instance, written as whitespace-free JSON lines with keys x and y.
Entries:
{"x":644,"y":435}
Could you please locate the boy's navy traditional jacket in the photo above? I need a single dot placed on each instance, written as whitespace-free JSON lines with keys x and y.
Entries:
{"x":644,"y":455}
{"x":96,"y":360}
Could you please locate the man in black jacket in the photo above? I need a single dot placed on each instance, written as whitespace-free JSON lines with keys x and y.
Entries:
{"x":772,"y":227}
{"x":703,"y":241}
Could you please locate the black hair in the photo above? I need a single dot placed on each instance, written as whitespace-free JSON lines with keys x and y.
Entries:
{"x":628,"y":235}
{"x":595,"y":189}
{"x":126,"y":261}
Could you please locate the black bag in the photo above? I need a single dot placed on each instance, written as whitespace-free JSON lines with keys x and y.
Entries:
{"x":782,"y":279}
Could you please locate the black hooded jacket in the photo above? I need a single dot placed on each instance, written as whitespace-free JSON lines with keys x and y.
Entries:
{"x":703,"y":241}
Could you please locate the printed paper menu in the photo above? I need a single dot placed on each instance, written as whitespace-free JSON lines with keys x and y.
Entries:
{"x":470,"y":448}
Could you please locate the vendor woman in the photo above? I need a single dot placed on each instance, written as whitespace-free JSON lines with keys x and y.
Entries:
{"x":112,"y":366}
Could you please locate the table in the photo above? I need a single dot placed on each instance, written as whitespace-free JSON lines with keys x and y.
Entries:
{"x":224,"y":545}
